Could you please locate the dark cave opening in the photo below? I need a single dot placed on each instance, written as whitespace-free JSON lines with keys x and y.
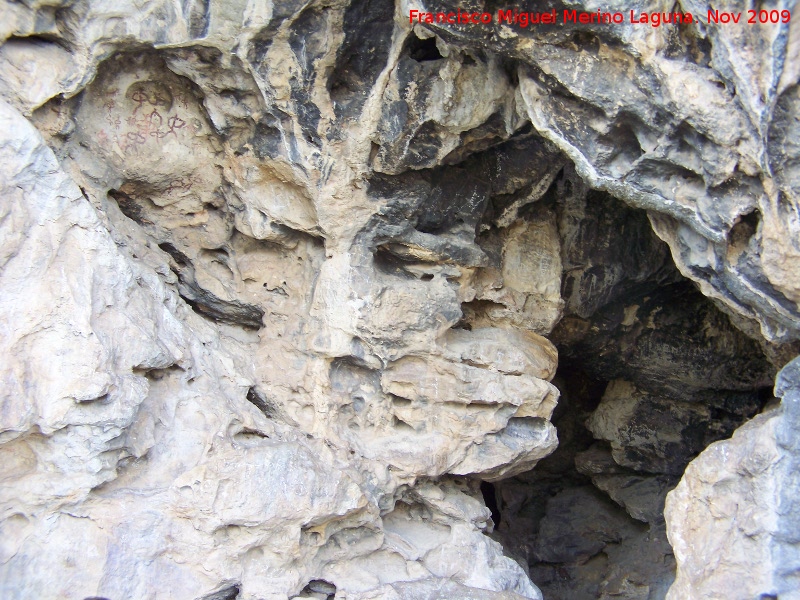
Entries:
{"x":650,"y":373}
{"x":423,"y":50}
{"x":490,"y":499}
{"x":584,"y":525}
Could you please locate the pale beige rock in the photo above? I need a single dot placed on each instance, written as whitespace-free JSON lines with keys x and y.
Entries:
{"x":507,"y":351}
{"x":142,"y":425}
{"x":722,"y":515}
{"x":732,"y":520}
{"x":525,"y":291}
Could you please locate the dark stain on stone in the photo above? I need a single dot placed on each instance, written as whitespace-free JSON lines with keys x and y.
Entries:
{"x":257,"y":399}
{"x":229,"y":593}
{"x":198,"y":14}
{"x":368,"y":27}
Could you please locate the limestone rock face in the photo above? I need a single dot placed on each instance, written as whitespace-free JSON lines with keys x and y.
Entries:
{"x":231,"y":368}
{"x":708,"y":518}
{"x":149,"y":445}
{"x":283,"y":283}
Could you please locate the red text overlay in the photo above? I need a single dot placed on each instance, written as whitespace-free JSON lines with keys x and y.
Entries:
{"x":514,"y":17}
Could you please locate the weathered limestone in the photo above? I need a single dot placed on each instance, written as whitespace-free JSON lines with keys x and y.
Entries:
{"x":732,"y":520}
{"x":278,"y":283}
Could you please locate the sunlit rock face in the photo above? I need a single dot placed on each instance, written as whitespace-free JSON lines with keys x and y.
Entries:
{"x":282,"y":284}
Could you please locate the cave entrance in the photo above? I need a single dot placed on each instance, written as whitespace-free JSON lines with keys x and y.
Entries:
{"x":651,"y":372}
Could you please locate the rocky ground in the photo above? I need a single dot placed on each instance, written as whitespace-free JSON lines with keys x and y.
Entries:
{"x":303,"y":300}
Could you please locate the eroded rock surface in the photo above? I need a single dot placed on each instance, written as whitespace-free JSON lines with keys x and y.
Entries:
{"x":155,"y":420}
{"x":283,"y":282}
{"x":708,"y":518}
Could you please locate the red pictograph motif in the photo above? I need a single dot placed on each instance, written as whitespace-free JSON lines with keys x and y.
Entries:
{"x":150,"y":116}
{"x":140,"y":98}
{"x":136,"y":137}
{"x":175,"y":122}
{"x":183,"y":184}
{"x":154,"y":123}
{"x":110,"y":96}
{"x":151,"y":125}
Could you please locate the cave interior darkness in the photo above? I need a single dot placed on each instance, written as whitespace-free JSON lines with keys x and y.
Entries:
{"x":664,"y":372}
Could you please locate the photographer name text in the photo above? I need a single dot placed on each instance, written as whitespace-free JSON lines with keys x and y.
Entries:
{"x":513,"y":17}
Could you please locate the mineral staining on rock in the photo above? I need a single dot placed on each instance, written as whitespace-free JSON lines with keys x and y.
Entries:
{"x":284,"y":282}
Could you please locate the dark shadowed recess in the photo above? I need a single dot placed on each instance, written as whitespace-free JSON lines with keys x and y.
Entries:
{"x":229,"y":593}
{"x":319,"y":588}
{"x":422,"y":50}
{"x":262,"y":403}
{"x":651,"y":373}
